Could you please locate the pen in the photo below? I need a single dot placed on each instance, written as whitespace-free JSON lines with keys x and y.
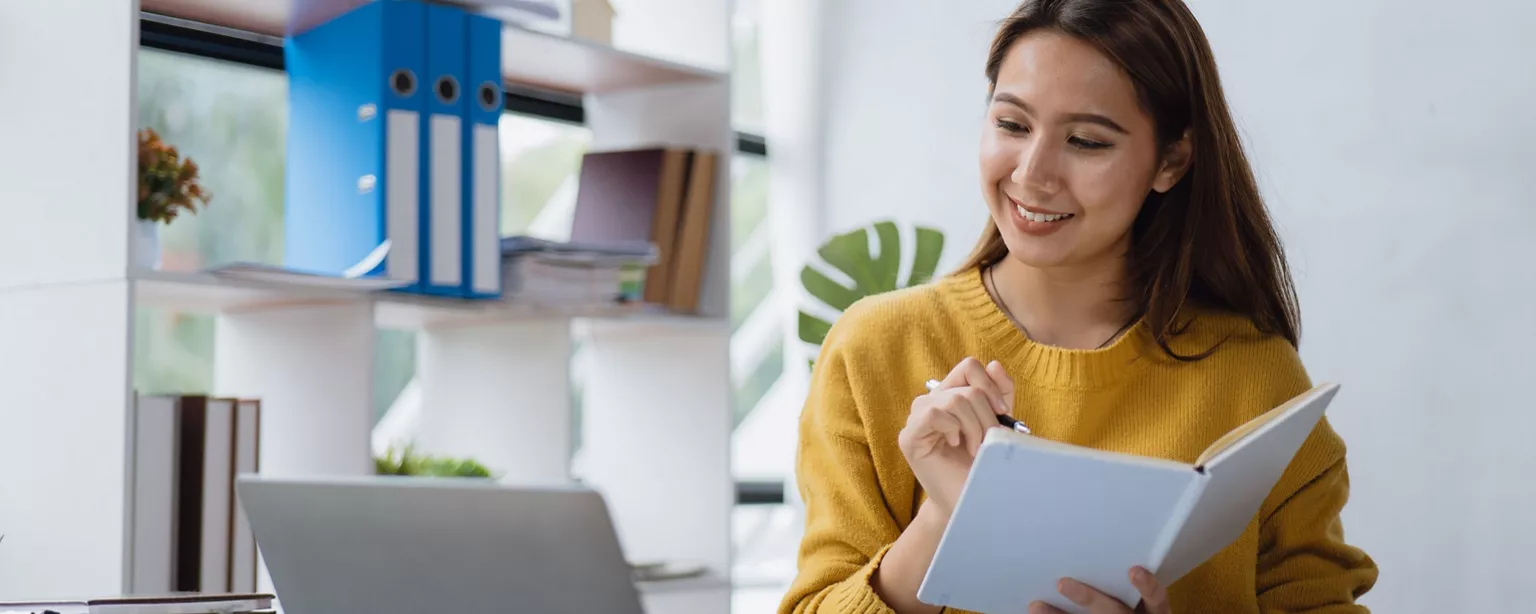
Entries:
{"x":1003,"y":419}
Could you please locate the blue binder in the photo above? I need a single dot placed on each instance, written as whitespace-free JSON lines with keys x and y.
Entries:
{"x":442,"y":165}
{"x":482,"y":149}
{"x":356,"y":103}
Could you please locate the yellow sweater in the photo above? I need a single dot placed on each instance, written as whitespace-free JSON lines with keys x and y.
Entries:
{"x":860,"y":494}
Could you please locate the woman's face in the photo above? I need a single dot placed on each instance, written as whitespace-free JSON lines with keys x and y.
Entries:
{"x":1068,"y":155}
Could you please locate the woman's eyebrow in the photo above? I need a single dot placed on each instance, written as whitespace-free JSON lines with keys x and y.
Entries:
{"x":1085,"y":118}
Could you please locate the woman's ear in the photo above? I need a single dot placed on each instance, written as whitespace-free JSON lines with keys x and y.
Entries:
{"x":1175,"y":163}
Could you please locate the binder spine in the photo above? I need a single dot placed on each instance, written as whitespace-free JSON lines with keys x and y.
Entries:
{"x":482,"y":174}
{"x":400,"y":80}
{"x":442,"y":225}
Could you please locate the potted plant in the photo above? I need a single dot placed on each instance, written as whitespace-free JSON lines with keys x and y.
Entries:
{"x":168,"y":185}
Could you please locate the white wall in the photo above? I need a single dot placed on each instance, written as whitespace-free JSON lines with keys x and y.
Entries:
{"x":904,"y":93}
{"x":1396,"y":144}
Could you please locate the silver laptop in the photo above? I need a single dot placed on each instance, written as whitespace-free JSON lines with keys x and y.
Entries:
{"x":380,"y":545}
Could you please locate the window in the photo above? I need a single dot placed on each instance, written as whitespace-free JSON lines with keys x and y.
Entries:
{"x":757,"y":348}
{"x":230,"y":119}
{"x":747,"y":73}
{"x":766,"y":536}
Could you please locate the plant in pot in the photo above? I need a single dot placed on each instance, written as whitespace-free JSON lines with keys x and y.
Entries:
{"x":168,"y":185}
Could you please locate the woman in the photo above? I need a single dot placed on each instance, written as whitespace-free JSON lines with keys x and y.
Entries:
{"x":1128,"y":294}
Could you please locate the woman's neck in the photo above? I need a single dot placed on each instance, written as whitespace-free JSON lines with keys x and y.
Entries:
{"x":1078,"y":307}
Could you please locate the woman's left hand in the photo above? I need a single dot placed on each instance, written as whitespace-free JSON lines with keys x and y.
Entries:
{"x":1154,"y":598}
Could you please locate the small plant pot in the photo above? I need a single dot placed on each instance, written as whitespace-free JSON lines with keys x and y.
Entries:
{"x":146,"y":244}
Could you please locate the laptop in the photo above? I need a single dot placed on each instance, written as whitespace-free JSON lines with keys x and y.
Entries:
{"x":386,"y":544}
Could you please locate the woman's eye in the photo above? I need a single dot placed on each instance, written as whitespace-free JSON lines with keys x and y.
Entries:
{"x":1089,"y":144}
{"x":1010,"y":126}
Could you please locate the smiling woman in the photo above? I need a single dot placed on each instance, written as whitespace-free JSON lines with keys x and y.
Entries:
{"x":1128,"y":294}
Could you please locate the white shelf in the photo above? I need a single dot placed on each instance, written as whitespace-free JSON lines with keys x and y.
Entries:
{"x":530,"y":58}
{"x":199,"y":292}
{"x":572,"y":65}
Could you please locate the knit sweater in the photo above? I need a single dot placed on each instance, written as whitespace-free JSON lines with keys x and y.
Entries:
{"x":860,"y":493}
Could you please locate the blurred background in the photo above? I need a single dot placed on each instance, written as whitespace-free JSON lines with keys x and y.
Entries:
{"x":1394,"y":142}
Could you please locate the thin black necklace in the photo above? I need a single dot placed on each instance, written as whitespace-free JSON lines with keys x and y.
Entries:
{"x":992,"y":282}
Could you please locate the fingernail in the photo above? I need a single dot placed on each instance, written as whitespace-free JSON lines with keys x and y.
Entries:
{"x":1068,"y":589}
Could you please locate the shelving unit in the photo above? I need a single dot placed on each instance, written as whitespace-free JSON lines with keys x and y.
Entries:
{"x":493,"y":376}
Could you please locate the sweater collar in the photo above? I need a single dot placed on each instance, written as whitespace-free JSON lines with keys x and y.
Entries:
{"x":1045,"y":365}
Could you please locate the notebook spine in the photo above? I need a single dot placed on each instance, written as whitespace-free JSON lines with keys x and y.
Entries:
{"x":1176,"y":521}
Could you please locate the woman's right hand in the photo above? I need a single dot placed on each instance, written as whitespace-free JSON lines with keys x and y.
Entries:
{"x":945,"y":427}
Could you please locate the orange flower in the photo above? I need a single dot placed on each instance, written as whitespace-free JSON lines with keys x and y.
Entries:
{"x":167,"y":184}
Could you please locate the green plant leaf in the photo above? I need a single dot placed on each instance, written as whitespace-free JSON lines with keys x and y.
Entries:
{"x":813,"y":329}
{"x":834,"y":294}
{"x":871,"y":274}
{"x":925,"y":259}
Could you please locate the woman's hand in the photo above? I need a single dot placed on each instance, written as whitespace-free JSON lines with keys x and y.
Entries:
{"x":945,"y":427}
{"x":1154,"y":598}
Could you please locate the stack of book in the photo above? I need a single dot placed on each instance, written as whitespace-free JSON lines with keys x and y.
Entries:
{"x":189,"y":533}
{"x":664,"y":196}
{"x":571,"y":274}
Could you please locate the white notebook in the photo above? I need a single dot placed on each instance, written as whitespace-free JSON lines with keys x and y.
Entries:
{"x":1034,"y":510}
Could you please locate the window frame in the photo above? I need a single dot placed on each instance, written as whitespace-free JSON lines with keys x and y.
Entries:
{"x":166,"y":33}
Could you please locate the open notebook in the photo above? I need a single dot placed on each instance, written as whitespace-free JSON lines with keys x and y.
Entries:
{"x":1034,"y":510}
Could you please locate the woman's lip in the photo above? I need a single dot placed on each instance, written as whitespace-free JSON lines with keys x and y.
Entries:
{"x":1030,"y":209}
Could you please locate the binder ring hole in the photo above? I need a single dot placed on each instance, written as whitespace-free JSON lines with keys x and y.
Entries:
{"x":403,"y":82}
{"x":447,"y":90}
{"x":489,"y":96}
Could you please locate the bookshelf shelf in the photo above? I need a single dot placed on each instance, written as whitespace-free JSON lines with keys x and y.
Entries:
{"x":582,"y":67}
{"x":529,"y":57}
{"x":201,"y":292}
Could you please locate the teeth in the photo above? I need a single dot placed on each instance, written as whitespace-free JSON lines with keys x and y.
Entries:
{"x":1041,"y":217}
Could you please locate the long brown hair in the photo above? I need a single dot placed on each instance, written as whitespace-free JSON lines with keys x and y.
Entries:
{"x":1209,"y":239}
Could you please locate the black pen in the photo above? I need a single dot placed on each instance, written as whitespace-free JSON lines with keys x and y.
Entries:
{"x":1003,"y":419}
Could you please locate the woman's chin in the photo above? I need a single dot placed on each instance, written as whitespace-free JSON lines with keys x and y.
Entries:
{"x":1038,"y":252}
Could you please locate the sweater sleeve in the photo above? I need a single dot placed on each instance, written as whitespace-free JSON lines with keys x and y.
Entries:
{"x":848,"y":524}
{"x":1304,"y":563}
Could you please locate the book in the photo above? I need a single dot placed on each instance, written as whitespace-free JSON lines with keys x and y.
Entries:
{"x":243,"y":557}
{"x":692,"y":243}
{"x":1033,"y":511}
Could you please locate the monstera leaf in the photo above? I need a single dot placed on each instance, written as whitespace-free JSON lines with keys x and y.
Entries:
{"x":871,"y":274}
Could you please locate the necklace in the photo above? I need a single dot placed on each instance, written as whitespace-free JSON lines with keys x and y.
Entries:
{"x":992,"y":288}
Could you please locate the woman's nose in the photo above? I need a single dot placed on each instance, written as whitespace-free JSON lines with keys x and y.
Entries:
{"x":1038,"y":169}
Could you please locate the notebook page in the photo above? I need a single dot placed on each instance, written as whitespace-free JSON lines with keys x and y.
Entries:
{"x":1240,"y":478}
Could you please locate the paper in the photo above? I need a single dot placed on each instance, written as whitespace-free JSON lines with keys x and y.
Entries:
{"x":250,"y":271}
